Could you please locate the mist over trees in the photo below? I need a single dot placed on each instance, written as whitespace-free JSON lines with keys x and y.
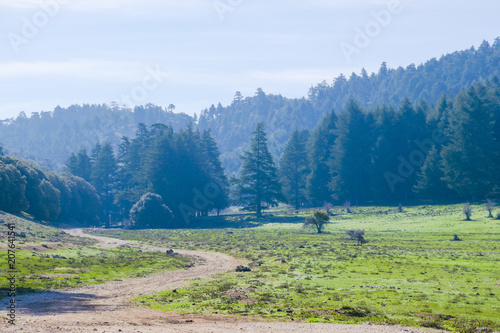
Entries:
{"x":377,"y":145}
{"x":50,"y":137}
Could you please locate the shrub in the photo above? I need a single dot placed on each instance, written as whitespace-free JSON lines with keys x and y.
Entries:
{"x":358,"y":235}
{"x":328,"y":207}
{"x":467,"y":210}
{"x":471,"y":325}
{"x":433,"y":322}
{"x":150,"y":212}
{"x":347,"y":206}
{"x":319,"y":220}
{"x":498,"y":216}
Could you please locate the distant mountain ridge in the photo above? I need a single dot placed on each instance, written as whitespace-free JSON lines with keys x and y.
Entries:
{"x":49,"y":137}
{"x":232,"y":125}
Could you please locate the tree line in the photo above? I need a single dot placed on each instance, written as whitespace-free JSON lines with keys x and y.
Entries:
{"x":162,"y":178}
{"x":383,"y":155}
{"x":46,"y":195}
{"x":173,"y":176}
{"x":49,"y":137}
{"x":233,"y":124}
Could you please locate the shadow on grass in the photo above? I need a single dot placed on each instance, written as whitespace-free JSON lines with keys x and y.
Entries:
{"x":240,"y":221}
{"x":35,"y":302}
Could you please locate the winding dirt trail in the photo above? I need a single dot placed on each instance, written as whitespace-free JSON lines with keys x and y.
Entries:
{"x":108,"y":307}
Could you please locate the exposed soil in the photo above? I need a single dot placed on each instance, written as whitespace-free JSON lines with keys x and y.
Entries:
{"x":108,"y":308}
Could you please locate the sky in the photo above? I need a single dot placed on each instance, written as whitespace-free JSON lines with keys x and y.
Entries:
{"x":194,"y":53}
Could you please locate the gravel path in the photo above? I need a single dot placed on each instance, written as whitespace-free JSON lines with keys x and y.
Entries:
{"x":108,"y":308}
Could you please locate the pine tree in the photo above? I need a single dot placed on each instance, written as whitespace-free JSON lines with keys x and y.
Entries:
{"x":213,"y":167}
{"x":294,"y":167}
{"x":320,"y":146}
{"x":258,"y":187}
{"x":352,"y":155}
{"x":429,"y":180}
{"x":397,"y":156}
{"x":84,"y":165}
{"x":470,"y":158}
{"x":104,"y":178}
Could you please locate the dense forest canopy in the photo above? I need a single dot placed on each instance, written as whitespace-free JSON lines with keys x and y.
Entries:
{"x":388,"y":155}
{"x":175,"y":172}
{"x":50,"y":137}
{"x":46,"y":195}
{"x":232,"y":125}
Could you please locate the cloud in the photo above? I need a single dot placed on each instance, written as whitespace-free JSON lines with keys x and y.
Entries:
{"x":91,"y":5}
{"x":83,"y":69}
{"x":311,"y":76}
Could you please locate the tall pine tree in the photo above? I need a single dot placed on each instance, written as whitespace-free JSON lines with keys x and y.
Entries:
{"x":258,"y":187}
{"x":104,"y":179}
{"x":352,"y":155}
{"x":470,"y":158}
{"x":320,"y":144}
{"x":294,"y":168}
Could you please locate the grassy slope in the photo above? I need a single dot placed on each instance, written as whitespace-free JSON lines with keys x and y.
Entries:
{"x":409,"y":273}
{"x":84,"y":264}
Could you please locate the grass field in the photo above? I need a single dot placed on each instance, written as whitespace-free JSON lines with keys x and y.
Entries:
{"x":410,"y":272}
{"x":48,"y":259}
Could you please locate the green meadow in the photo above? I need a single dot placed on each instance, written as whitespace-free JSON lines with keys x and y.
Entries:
{"x":49,"y":259}
{"x":411,"y":272}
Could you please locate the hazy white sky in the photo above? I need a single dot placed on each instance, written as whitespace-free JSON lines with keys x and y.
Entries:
{"x":194,"y":53}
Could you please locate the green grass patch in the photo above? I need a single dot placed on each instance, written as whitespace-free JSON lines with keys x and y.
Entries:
{"x":410,"y":272}
{"x":52,"y":259}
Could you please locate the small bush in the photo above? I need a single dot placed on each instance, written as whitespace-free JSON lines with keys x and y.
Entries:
{"x":498,"y":216}
{"x":347,"y":207}
{"x":433,"y":322}
{"x":328,"y":208}
{"x":466,"y":325}
{"x":318,"y":221}
{"x":351,"y":311}
{"x":358,"y":235}
{"x":150,"y":212}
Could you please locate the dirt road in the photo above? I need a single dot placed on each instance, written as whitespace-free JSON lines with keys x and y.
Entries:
{"x":108,"y":307}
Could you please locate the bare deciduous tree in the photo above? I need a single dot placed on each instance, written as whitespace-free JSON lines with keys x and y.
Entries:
{"x":347,"y":206}
{"x":328,"y":207}
{"x":358,"y":235}
{"x":490,"y":205}
{"x":467,"y":210}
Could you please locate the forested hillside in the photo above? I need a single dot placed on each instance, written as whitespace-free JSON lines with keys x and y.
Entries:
{"x":232,"y":125}
{"x":406,"y":153}
{"x":50,"y":137}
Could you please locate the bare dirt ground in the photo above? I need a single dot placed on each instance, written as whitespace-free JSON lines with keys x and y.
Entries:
{"x":108,"y":307}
